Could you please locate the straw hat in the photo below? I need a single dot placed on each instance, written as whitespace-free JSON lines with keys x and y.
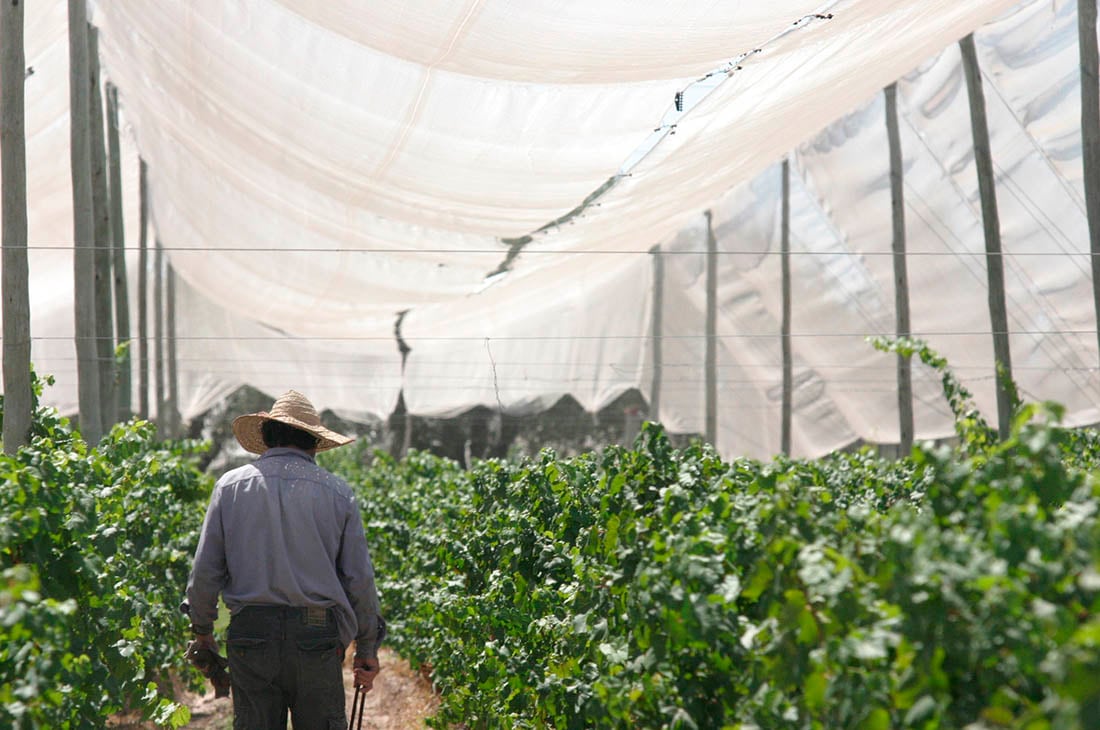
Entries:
{"x":293,"y":409}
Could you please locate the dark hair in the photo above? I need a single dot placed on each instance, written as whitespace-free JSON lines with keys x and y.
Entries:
{"x":277,"y":433}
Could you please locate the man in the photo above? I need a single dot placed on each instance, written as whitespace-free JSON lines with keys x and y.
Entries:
{"x":283,"y":543}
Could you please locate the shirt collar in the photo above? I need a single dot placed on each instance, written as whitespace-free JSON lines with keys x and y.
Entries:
{"x":287,"y":451}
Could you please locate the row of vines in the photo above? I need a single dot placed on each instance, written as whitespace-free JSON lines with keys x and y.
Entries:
{"x":95,"y":548}
{"x":660,"y":588}
{"x":647,"y":587}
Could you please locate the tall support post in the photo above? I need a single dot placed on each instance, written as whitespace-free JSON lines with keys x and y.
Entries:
{"x":104,"y":316}
{"x":13,"y":230}
{"x":143,"y":293}
{"x":403,"y":347}
{"x":711,"y":361}
{"x":118,"y":250}
{"x":407,"y":433}
{"x":158,"y":337}
{"x":901,"y":272}
{"x":1090,"y":137}
{"x":983,"y":159}
{"x":80,"y":150}
{"x":785,"y":285}
{"x":172,"y":410}
{"x":656,"y":332}
{"x":401,"y":449}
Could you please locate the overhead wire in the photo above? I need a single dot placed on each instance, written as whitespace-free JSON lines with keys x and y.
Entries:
{"x":449,"y":363}
{"x":566,"y":252}
{"x":922,"y":334}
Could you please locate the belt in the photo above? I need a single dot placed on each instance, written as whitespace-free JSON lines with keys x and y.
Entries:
{"x":308,"y":615}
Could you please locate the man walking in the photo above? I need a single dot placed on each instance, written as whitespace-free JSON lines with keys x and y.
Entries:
{"x":283,"y":543}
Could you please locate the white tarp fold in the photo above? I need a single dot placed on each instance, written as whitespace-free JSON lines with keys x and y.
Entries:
{"x":318,"y":168}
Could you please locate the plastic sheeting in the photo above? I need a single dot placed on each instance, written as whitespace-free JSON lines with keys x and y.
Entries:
{"x":318,"y":168}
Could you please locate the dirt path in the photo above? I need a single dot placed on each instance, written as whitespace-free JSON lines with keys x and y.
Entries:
{"x":400,"y":700}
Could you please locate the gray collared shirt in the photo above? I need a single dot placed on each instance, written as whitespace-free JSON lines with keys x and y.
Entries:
{"x":283,"y":531}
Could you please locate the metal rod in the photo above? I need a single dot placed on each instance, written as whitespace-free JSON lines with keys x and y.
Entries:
{"x":357,"y":705}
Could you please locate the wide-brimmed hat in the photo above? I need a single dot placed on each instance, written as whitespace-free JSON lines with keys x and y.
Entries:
{"x":293,"y":409}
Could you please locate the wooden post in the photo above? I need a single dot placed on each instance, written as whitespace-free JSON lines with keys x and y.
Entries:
{"x":983,"y":159}
{"x":13,"y":236}
{"x":404,"y":349}
{"x":80,"y":150}
{"x":657,"y":333}
{"x":104,"y":317}
{"x":901,"y":272}
{"x":172,"y":411}
{"x":407,"y":434}
{"x":711,"y":362}
{"x":785,"y":285}
{"x":143,"y":294}
{"x":118,"y":236}
{"x":158,"y":337}
{"x":1090,"y":137}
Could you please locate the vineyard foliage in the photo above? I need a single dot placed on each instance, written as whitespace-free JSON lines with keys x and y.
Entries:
{"x":95,"y":548}
{"x":657,"y":588}
{"x":647,"y":587}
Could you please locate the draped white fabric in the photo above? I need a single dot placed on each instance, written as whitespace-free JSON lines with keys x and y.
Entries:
{"x":500,"y":169}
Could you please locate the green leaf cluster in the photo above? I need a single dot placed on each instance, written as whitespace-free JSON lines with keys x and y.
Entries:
{"x":95,"y":547}
{"x":659,"y":588}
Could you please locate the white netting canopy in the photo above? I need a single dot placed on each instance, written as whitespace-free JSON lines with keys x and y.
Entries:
{"x":500,"y":170}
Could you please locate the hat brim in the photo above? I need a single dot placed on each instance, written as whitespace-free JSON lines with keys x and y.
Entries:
{"x":249,"y":432}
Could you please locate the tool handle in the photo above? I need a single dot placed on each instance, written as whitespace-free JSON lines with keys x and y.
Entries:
{"x":357,"y":705}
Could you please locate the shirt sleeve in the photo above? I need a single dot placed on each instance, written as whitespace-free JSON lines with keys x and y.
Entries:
{"x":357,"y":576}
{"x":209,"y":573}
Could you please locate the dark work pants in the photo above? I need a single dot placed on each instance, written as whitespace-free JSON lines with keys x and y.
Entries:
{"x":281,"y":658}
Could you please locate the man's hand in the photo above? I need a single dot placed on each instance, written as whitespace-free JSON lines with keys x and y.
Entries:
{"x":365,"y":671}
{"x":202,"y":652}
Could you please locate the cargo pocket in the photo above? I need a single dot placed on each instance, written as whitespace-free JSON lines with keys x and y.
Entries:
{"x":319,"y":676}
{"x":253,"y":662}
